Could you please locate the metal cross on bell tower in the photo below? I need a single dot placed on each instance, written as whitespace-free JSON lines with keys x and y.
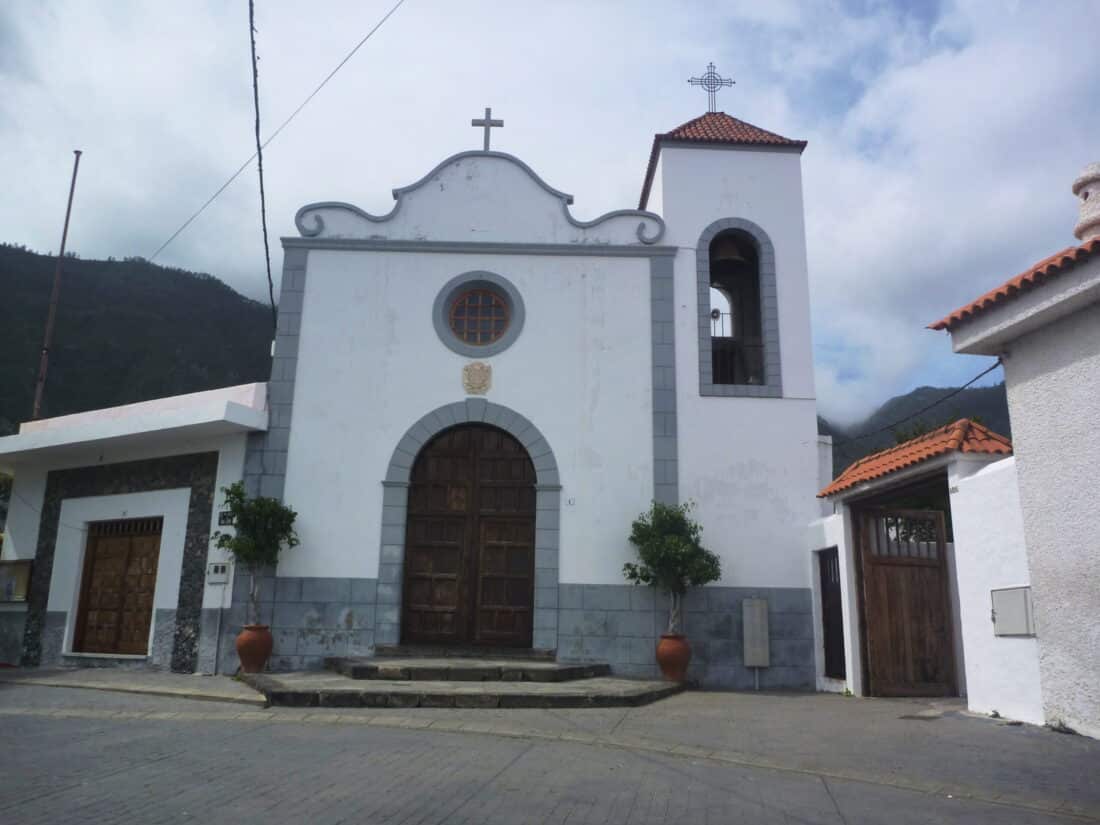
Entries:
{"x":488,"y":123}
{"x":712,"y":82}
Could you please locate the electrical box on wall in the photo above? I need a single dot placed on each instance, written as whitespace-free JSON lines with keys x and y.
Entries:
{"x":1012,"y":614}
{"x":217,"y":573}
{"x":754,"y":620}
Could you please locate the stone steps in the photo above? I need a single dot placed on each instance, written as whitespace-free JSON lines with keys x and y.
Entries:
{"x":322,"y":689}
{"x":461,"y":652}
{"x":458,"y":669}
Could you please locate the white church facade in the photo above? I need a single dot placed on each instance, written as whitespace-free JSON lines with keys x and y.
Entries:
{"x":471,"y":398}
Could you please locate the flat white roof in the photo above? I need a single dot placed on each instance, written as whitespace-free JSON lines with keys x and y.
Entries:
{"x":211,"y":413}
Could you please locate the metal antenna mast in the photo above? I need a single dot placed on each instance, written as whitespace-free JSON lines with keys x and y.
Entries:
{"x":44,"y":361}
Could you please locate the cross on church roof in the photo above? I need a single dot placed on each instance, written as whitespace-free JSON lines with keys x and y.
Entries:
{"x":712,"y":82}
{"x":488,"y":123}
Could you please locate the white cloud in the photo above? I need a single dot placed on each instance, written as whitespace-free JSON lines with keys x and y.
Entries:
{"x":942,"y":144}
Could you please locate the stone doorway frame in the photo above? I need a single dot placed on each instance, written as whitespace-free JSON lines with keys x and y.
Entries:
{"x":395,"y":497}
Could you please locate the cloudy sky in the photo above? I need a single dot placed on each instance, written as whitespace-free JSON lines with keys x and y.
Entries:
{"x":943,"y":135}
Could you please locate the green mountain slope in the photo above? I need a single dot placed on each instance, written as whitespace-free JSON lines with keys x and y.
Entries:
{"x":126,"y":331}
{"x":987,"y":404}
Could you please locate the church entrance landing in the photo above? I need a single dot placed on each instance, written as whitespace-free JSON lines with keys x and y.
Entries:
{"x":470,"y":541}
{"x":456,"y":682}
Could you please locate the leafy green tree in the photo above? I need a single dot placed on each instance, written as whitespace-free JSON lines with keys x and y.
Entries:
{"x":263,"y":528}
{"x":670,"y":555}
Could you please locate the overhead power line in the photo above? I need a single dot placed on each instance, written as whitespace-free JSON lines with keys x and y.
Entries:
{"x":892,"y":426}
{"x":282,"y":126}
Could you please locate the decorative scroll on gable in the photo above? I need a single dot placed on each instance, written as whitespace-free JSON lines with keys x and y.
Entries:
{"x":480,"y":196}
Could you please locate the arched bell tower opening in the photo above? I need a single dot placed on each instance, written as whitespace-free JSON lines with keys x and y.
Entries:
{"x":738,"y":301}
{"x":737,"y":340}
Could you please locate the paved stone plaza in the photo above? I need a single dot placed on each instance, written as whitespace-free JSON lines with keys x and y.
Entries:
{"x":76,"y":755}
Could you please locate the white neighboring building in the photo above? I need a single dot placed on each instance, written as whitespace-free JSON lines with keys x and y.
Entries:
{"x":471,"y":398}
{"x":1045,"y":326}
{"x":924,"y":537}
{"x":1002,"y":663}
{"x":109,"y":479}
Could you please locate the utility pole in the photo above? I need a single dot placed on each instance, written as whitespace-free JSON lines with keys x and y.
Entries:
{"x":44,"y":362}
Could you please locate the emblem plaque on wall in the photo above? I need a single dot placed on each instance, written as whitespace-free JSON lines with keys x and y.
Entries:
{"x":477,"y":377}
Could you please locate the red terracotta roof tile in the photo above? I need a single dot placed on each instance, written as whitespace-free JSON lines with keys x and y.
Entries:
{"x":718,"y":127}
{"x":715,"y":128}
{"x":1039,"y":274}
{"x":963,"y":435}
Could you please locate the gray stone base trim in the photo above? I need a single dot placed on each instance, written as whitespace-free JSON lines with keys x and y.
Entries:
{"x":315,"y":618}
{"x":165,"y":627}
{"x":52,"y":640}
{"x":210,"y":639}
{"x":53,"y":652}
{"x":310,"y":617}
{"x":620,"y":624}
{"x":12,"y":627}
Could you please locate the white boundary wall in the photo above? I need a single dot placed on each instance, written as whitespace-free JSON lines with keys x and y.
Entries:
{"x":1002,"y":672}
{"x":836,"y":531}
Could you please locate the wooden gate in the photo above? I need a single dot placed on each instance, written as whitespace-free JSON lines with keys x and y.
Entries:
{"x":832,"y":613}
{"x":907,"y":622}
{"x":470,"y":541}
{"x":116,"y":593}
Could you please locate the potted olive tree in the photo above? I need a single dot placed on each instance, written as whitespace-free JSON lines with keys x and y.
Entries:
{"x":671,"y":559}
{"x":263,"y":528}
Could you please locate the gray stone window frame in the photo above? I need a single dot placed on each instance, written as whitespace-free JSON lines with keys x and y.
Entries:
{"x":769,"y":314}
{"x":478,"y":279}
{"x":395,"y":500}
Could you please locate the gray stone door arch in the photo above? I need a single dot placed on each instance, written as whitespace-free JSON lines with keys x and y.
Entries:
{"x":395,"y":512}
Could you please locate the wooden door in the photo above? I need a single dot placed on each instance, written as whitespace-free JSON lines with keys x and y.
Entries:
{"x":117,"y":587}
{"x":470,"y":541}
{"x":832,"y":613}
{"x":907,"y":622}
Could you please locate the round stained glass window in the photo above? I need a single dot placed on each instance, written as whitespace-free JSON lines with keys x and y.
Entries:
{"x":479,"y":316}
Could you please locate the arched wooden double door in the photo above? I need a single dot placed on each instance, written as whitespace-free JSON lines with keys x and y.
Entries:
{"x":470,"y":541}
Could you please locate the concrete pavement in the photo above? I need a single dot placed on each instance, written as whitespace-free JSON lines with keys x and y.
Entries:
{"x":755,"y":757}
{"x":138,"y":680}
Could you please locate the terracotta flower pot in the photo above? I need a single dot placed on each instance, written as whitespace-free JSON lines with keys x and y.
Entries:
{"x":254,"y":644}
{"x":673,"y":656}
